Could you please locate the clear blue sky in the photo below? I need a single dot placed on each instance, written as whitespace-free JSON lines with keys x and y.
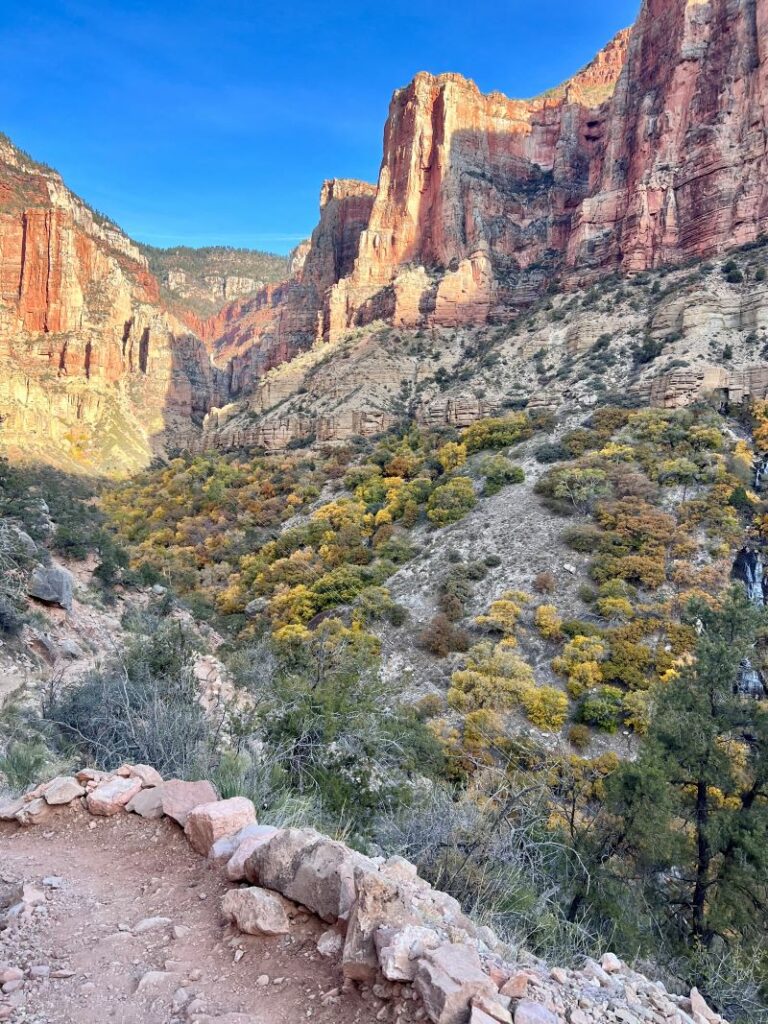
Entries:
{"x":215,"y":121}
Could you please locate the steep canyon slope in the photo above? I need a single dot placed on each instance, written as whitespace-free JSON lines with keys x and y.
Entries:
{"x":94,"y":369}
{"x":652,"y":156}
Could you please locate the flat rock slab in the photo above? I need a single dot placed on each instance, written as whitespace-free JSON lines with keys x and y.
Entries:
{"x":63,"y":790}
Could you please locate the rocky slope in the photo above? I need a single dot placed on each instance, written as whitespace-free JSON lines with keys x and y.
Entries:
{"x":96,"y":374}
{"x":663,"y":338}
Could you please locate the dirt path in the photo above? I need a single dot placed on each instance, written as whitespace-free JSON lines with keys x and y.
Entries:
{"x":122,"y":871}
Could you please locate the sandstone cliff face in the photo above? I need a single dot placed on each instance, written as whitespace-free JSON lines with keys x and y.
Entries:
{"x":94,"y":372}
{"x":653,"y":154}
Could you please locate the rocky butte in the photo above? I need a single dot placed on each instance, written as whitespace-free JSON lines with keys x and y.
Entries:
{"x":653,"y":154}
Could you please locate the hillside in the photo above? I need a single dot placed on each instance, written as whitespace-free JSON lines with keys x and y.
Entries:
{"x":205,"y":279}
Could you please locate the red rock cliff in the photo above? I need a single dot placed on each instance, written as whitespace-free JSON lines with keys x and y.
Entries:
{"x":92,"y":366}
{"x":655,"y":153}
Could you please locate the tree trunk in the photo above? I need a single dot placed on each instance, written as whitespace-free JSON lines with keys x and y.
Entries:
{"x":703,"y":860}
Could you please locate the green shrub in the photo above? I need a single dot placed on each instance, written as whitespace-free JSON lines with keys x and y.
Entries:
{"x":500,"y":472}
{"x":24,"y":763}
{"x":603,"y":708}
{"x":451,"y":502}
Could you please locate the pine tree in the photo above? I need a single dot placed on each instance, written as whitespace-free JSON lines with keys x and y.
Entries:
{"x":694,"y":806}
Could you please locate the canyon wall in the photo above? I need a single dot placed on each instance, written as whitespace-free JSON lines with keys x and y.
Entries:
{"x":653,"y":154}
{"x":95,"y":373}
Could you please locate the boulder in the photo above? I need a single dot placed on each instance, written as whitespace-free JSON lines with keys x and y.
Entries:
{"x":33,"y":812}
{"x":179,"y":798}
{"x":111,"y":795}
{"x":400,"y":949}
{"x":324,"y":879}
{"x":250,"y":840}
{"x":256,"y":911}
{"x":447,"y":979}
{"x":63,"y":790}
{"x":209,"y":822}
{"x":224,"y":848}
{"x":380,"y":903}
{"x":10,"y":808}
{"x":149,"y":776}
{"x":273,"y":864}
{"x":528,"y":1012}
{"x":52,"y":584}
{"x":148,"y":803}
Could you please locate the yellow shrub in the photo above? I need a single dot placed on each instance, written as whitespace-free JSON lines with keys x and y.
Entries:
{"x":503,"y":614}
{"x":548,"y":622}
{"x":452,"y":456}
{"x":546,"y":707}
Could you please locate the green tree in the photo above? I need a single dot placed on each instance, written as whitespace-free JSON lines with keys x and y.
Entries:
{"x":703,"y":852}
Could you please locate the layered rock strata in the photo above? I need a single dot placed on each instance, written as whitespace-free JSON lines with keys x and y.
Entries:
{"x":95,"y":373}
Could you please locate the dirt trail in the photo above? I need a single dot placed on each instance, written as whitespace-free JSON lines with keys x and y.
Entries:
{"x":120,"y":872}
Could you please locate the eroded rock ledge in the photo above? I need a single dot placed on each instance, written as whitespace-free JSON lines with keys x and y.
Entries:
{"x":387,"y":928}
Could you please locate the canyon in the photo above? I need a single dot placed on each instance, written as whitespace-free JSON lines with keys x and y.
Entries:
{"x":651,"y":157}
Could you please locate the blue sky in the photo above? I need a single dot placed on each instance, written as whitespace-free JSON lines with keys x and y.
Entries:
{"x":216,"y":121}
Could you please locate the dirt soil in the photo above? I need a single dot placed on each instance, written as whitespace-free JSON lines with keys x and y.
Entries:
{"x":107,"y":879}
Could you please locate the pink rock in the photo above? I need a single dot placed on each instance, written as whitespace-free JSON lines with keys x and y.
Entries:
{"x":527,"y":1012}
{"x":63,"y":790}
{"x":447,"y":979}
{"x":260,"y":835}
{"x":491,"y":1009}
{"x":516,"y":987}
{"x":90,"y":775}
{"x":149,"y":776}
{"x":699,"y":1005}
{"x":111,"y":796}
{"x":209,"y":822}
{"x":179,"y":798}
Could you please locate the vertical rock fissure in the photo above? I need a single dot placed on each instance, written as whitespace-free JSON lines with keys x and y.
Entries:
{"x":144,"y":350}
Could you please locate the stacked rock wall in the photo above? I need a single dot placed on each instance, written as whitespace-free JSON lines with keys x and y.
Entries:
{"x":387,"y":927}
